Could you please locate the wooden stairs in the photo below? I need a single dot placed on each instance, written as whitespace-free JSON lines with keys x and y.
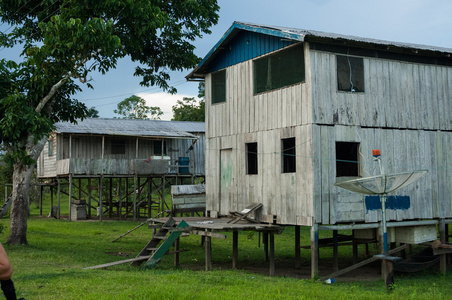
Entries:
{"x":156,"y":248}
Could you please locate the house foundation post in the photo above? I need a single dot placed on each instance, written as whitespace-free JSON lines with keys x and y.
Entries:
{"x":272,"y":254}
{"x":208,"y":250}
{"x":443,"y":239}
{"x":314,"y":250}
{"x":297,"y":247}
{"x":235,"y":249}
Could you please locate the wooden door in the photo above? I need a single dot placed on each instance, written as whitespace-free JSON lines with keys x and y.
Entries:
{"x":226,"y":180}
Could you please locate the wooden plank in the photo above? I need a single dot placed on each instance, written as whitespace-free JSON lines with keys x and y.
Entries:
{"x":360,"y":264}
{"x":208,"y":233}
{"x":136,"y":259}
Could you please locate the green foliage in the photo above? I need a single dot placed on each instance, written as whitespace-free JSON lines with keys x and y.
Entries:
{"x":188,"y":109}
{"x":53,"y":268}
{"x":92,"y":113}
{"x":135,"y":107}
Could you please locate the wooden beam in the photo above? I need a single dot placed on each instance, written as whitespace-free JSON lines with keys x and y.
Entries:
{"x":314,"y":250}
{"x":235,"y":249}
{"x":297,"y":247}
{"x":208,"y":251}
{"x":335,"y":251}
{"x":209,"y":233}
{"x":443,"y":239}
{"x":272,"y":254}
{"x":360,"y":264}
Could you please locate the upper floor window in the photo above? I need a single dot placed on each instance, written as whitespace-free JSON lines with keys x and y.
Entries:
{"x":280,"y":69}
{"x":218,"y":87}
{"x":159,"y":147}
{"x":350,"y":73}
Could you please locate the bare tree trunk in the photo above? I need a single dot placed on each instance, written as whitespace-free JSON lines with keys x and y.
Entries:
{"x":20,"y":206}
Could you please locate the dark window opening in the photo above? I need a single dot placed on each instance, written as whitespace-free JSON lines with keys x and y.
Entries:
{"x":278,"y":70}
{"x":251,"y":158}
{"x":219,"y":87}
{"x":347,"y":159}
{"x":288,"y":155}
{"x":158,"y":148}
{"x":350,"y":74}
{"x":118,"y":146}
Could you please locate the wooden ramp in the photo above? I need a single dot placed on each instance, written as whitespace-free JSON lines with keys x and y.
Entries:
{"x":153,"y":252}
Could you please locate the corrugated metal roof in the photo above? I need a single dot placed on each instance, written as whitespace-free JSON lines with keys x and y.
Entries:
{"x":300,"y":35}
{"x":126,"y":127}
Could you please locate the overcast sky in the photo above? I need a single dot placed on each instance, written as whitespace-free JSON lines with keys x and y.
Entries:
{"x":426,"y":22}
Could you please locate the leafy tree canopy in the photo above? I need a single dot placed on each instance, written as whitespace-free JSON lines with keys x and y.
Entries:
{"x":61,"y":42}
{"x":135,"y":107}
{"x":189,"y":109}
{"x":92,"y":113}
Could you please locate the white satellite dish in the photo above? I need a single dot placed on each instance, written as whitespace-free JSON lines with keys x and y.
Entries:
{"x":381,"y":185}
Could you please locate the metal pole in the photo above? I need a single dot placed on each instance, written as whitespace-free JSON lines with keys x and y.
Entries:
{"x":383,"y":223}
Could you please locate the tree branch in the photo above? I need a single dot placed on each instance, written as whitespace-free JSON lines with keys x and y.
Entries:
{"x":52,"y":92}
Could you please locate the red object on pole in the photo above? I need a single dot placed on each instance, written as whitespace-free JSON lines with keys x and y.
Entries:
{"x":376,"y":152}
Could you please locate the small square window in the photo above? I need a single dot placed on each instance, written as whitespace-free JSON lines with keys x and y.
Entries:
{"x":347,"y":159}
{"x":350,"y":74}
{"x":159,"y":148}
{"x":288,"y":155}
{"x":251,"y":158}
{"x":118,"y":146}
{"x":218,"y":87}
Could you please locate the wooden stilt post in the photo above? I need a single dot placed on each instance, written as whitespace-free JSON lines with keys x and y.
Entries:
{"x":265,"y":242}
{"x":208,"y":250}
{"x":89,"y":197}
{"x":120,"y":198}
{"x":100,"y":198}
{"x":51,"y":202}
{"x":59,"y":197}
{"x":110,"y":198}
{"x":272,"y":254}
{"x":70,"y":196}
{"x":40,"y":200}
{"x":176,"y":252}
{"x":235,"y":249}
{"x":355,"y":249}
{"x":335,"y":251}
{"x":314,"y":250}
{"x":297,"y":247}
{"x":442,"y":238}
{"x":135,"y":198}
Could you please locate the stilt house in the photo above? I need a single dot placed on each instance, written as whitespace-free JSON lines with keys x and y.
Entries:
{"x":153,"y":151}
{"x":290,"y":112}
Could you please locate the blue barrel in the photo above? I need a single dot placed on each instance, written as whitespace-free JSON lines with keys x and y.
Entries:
{"x":183,"y":165}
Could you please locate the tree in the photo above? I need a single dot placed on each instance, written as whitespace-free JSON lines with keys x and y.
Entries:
{"x":64,"y":41}
{"x":92,"y":113}
{"x":188,"y":109}
{"x":135,"y":107}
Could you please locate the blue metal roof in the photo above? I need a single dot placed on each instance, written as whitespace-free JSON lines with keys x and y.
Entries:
{"x":244,"y":41}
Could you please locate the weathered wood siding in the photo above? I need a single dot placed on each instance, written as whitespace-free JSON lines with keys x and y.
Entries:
{"x":86,"y":156}
{"x":402,"y":150}
{"x":404,"y":111}
{"x":397,"y":95}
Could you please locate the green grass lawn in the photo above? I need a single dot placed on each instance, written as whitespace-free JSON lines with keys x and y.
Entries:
{"x":51,"y":267}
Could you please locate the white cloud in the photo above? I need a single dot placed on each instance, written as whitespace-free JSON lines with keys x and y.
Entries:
{"x":163,"y":100}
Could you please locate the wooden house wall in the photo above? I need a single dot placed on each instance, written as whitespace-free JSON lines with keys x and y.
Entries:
{"x":418,"y":99}
{"x":402,"y":151}
{"x":397,"y":94}
{"x":86,"y":148}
